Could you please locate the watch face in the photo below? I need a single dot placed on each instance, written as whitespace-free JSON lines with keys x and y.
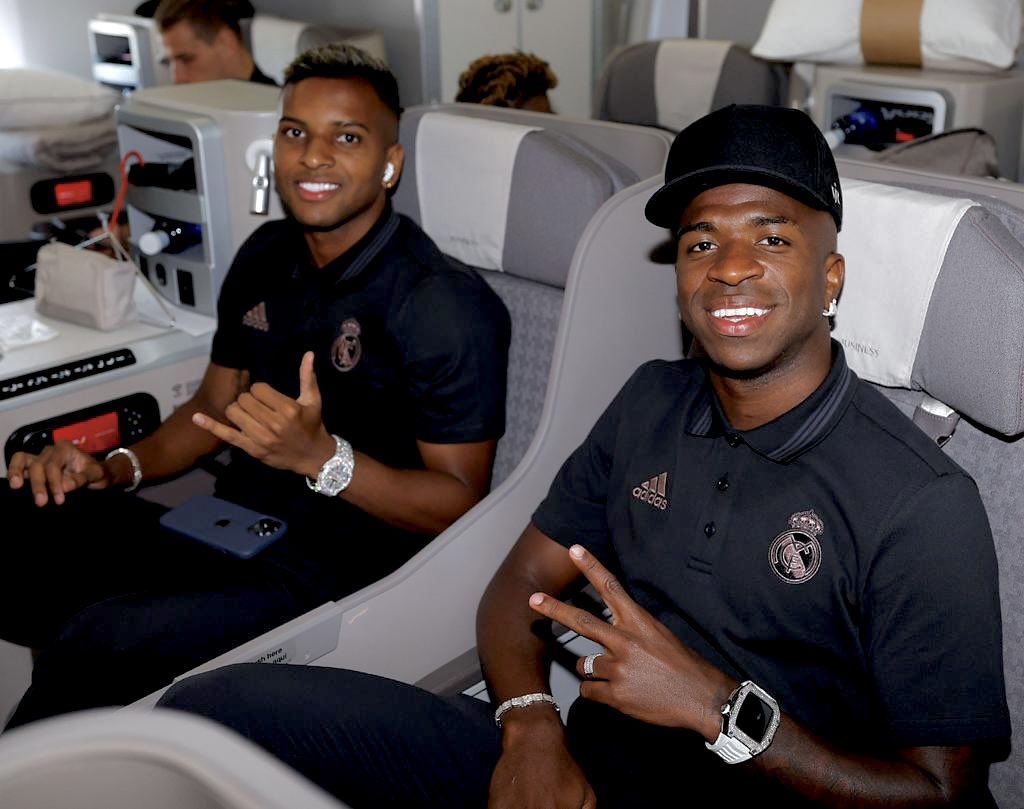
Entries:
{"x":754,"y":717}
{"x":336,"y":473}
{"x":332,"y":482}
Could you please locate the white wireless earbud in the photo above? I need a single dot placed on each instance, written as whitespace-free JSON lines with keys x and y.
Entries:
{"x":389,"y":172}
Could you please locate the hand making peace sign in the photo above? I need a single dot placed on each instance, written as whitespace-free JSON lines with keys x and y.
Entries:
{"x":645,"y":671}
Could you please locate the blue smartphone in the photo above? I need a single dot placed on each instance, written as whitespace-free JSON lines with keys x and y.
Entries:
{"x":226,"y":526}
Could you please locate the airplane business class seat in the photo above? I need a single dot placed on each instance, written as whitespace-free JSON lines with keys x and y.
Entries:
{"x":954,"y":362}
{"x":932,"y":315}
{"x":105,"y":759}
{"x":511,"y":200}
{"x":966,"y":378}
{"x":670,"y":83}
{"x":565,"y":168}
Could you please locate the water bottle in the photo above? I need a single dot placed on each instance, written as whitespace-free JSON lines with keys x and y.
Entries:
{"x":857,"y":127}
{"x":169,"y":236}
{"x":881,"y":124}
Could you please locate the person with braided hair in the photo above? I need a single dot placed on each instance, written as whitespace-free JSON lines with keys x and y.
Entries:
{"x":519,"y":80}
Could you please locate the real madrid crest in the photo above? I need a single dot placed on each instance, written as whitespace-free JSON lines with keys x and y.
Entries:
{"x":347,"y":349}
{"x":795,"y":555}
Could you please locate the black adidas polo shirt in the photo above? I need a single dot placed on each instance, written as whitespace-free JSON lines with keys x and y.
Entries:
{"x":408,"y":347}
{"x":835,"y":556}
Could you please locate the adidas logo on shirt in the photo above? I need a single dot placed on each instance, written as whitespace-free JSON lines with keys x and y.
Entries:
{"x":652,"y":491}
{"x":257,"y":318}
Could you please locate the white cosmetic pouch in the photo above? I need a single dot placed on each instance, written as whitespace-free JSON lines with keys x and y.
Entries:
{"x":84,"y":287}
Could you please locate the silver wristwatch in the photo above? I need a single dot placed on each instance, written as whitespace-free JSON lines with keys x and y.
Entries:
{"x":336,"y":473}
{"x":750,"y":718}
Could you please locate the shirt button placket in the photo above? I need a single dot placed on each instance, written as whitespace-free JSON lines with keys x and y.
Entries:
{"x":710,"y":529}
{"x":722,"y":484}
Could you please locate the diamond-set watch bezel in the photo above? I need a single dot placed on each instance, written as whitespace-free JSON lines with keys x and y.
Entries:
{"x":727,"y":746}
{"x":336,"y":473}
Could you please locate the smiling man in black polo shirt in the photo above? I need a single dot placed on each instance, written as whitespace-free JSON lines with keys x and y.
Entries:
{"x":410,"y":352}
{"x":814,"y":548}
{"x":359,"y":376}
{"x":803,"y":587}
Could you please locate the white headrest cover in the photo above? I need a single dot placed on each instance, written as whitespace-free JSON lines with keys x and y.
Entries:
{"x":686,"y":75}
{"x":894,"y":241}
{"x":463,"y":179}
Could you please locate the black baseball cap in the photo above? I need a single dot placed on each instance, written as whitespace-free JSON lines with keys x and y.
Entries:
{"x":776,"y":147}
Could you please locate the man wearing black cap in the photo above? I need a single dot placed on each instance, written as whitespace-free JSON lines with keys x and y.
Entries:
{"x":778,"y":552}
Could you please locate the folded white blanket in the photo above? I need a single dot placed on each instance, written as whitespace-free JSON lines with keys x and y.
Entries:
{"x":62,"y":148}
{"x":31,"y":99}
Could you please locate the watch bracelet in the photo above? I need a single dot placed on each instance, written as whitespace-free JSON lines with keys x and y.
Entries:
{"x":521,"y":702}
{"x":133,"y":459}
{"x":344,"y":456}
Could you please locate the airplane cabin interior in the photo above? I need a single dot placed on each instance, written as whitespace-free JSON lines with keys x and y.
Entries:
{"x":921,"y":103}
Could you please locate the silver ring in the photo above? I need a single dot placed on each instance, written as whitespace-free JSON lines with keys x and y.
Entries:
{"x":588,"y":664}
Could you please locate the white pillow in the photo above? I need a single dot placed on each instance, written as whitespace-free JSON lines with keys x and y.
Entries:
{"x":31,"y":99}
{"x":974,"y":35}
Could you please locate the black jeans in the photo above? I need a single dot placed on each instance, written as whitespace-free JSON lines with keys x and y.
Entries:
{"x":377,"y":743}
{"x":118,"y":607}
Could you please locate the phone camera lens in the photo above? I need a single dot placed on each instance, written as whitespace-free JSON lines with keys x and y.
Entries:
{"x":264,"y":527}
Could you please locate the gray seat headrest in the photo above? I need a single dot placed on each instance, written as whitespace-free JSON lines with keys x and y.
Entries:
{"x":970,"y":352}
{"x":670,"y":83}
{"x":555,"y":185}
{"x":971,"y":355}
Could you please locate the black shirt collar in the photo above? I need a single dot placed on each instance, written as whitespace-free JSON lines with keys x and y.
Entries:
{"x":792,"y":433}
{"x":357,"y":258}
